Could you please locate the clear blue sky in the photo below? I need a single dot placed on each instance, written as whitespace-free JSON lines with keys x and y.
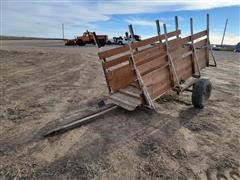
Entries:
{"x":43,"y":18}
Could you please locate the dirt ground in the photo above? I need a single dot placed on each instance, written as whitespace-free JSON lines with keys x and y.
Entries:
{"x":43,"y":82}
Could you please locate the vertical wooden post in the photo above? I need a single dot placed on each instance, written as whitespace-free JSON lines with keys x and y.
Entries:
{"x":208,"y":40}
{"x":176,"y":25}
{"x":131,"y":32}
{"x":105,"y":74}
{"x":209,"y":45}
{"x":208,"y":27}
{"x":194,"y":55}
{"x":192,"y":47}
{"x":158,"y":30}
{"x":95,"y":39}
{"x":63,"y":31}
{"x":170,"y":60}
{"x":191,"y":27}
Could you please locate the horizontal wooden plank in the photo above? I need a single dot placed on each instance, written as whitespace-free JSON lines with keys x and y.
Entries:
{"x":159,"y":50}
{"x":116,"y":61}
{"x":160,"y":88}
{"x":156,"y":76}
{"x":186,"y":49}
{"x":153,"y":65}
{"x":189,"y":53}
{"x":185,"y":74}
{"x":117,"y":66}
{"x":186,"y":40}
{"x":200,"y":43}
{"x":195,"y":36}
{"x":199,"y":34}
{"x":122,"y":83}
{"x":149,"y":54}
{"x":112,"y":52}
{"x":154,"y":39}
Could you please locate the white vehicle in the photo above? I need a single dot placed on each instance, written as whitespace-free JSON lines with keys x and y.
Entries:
{"x":118,"y":40}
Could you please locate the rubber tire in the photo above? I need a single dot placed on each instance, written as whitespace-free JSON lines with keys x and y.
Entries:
{"x":120,"y":43}
{"x":80,"y":43}
{"x":201,"y":92}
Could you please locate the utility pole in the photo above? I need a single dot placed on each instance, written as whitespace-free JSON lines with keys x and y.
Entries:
{"x":224,"y":31}
{"x":63,"y":31}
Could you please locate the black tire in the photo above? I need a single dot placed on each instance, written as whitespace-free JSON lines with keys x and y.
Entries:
{"x":201,"y":92}
{"x":120,"y":43}
{"x":80,"y":43}
{"x":109,"y":42}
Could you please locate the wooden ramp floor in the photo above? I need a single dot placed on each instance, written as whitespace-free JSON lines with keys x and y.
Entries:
{"x":128,"y":98}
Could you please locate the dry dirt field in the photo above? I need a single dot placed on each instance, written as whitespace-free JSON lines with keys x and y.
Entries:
{"x":43,"y":82}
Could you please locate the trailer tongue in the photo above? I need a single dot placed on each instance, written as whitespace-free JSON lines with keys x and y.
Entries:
{"x":142,"y":71}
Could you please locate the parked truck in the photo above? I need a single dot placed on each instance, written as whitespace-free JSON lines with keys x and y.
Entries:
{"x":123,"y":40}
{"x":87,"y":38}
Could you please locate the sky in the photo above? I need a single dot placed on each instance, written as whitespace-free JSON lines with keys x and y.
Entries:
{"x":44,"y":18}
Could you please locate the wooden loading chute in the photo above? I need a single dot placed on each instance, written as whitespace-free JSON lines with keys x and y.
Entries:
{"x":140,"y":72}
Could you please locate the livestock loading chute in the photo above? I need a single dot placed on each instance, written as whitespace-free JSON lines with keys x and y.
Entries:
{"x":142,"y":71}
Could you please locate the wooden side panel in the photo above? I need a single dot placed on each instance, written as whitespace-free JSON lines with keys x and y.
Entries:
{"x":152,"y":62}
{"x":160,"y":88}
{"x":156,"y":63}
{"x":202,"y":52}
{"x":161,"y":85}
{"x":156,"y":76}
{"x":184,"y":67}
{"x":149,"y":54}
{"x":202,"y":57}
{"x":121,"y":77}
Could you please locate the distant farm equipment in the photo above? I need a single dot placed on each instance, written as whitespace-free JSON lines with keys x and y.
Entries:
{"x":123,"y":40}
{"x":87,"y":38}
